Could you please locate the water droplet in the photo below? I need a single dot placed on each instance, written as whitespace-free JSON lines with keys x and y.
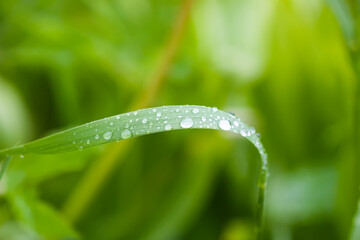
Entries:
{"x":236,"y":123}
{"x":117,"y":117}
{"x":97,"y":136}
{"x":107,"y":135}
{"x":154,"y":110}
{"x":187,"y":123}
{"x":88,"y":141}
{"x":224,"y":125}
{"x":244,"y":132}
{"x":22,"y":156}
{"x":126,"y":134}
{"x":195,"y":110}
{"x":214,"y":109}
{"x":168,"y":127}
{"x":144,"y":120}
{"x":111,"y":123}
{"x":251,"y":131}
{"x":136,"y":112}
{"x":158,"y":114}
{"x":203,"y":119}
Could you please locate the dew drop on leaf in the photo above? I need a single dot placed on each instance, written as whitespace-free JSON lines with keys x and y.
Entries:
{"x":195,"y":110}
{"x":224,"y":125}
{"x":187,"y":123}
{"x":126,"y":134}
{"x":107,"y":135}
{"x":244,"y":132}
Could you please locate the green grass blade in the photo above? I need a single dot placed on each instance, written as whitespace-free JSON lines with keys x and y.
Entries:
{"x":4,"y":166}
{"x":342,"y":11}
{"x":148,"y":121}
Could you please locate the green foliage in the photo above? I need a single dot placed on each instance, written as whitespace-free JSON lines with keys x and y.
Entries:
{"x":289,"y":68}
{"x":124,"y":126}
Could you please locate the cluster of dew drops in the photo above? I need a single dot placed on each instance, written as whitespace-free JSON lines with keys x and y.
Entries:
{"x":167,"y":118}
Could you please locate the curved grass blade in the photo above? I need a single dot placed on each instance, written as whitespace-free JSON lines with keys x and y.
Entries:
{"x":4,"y":166}
{"x":148,"y":121}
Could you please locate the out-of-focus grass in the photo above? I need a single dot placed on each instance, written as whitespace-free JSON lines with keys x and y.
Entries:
{"x":287,"y":66}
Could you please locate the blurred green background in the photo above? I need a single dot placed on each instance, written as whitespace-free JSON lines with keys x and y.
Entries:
{"x":288,"y":67}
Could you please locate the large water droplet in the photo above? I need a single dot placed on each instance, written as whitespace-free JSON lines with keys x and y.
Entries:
{"x":168,"y":127}
{"x":126,"y":134}
{"x":224,"y":125}
{"x":187,"y":123}
{"x":107,"y":135}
